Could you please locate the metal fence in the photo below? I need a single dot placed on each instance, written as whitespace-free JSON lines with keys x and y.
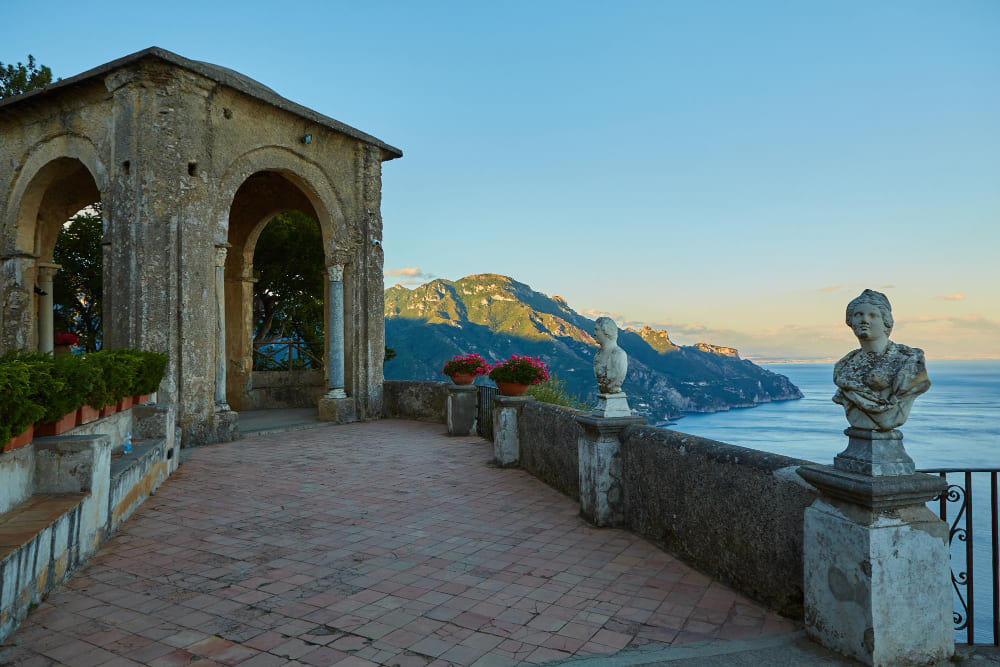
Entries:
{"x":284,"y":355}
{"x":484,"y":410}
{"x":973,"y":532}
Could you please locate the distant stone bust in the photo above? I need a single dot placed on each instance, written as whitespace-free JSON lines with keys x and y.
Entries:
{"x":878,"y":382}
{"x":610,"y":362}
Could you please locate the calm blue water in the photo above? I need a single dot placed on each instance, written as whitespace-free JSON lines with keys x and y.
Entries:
{"x":954,"y":425}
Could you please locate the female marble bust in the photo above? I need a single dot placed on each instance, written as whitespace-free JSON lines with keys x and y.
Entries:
{"x":610,"y":362}
{"x":878,"y":382}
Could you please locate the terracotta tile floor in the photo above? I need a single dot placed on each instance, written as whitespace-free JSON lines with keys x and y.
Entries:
{"x":379,"y":543}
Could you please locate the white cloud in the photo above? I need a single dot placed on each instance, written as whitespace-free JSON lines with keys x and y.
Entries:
{"x":831,"y":288}
{"x":411,"y":271}
{"x":952,"y":297}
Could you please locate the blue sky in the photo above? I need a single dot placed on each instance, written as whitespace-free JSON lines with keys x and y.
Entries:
{"x":733,"y":172}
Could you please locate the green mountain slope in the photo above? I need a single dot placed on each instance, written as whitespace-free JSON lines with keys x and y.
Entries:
{"x":497,"y":316}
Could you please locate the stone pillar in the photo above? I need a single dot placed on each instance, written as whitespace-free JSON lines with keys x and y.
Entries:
{"x":336,"y":405}
{"x":461,"y":415}
{"x":335,"y":342}
{"x":220,"y":327}
{"x":599,"y":453}
{"x":506,"y":446}
{"x":46,"y":330}
{"x":876,"y":560}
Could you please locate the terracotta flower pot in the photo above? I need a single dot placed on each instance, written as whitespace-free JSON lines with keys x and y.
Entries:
{"x":512,"y":388}
{"x":463,"y":378}
{"x":20,"y":440}
{"x":125,"y":403}
{"x":109,"y":410}
{"x":58,"y":350}
{"x":67,"y":422}
{"x":140,"y":399}
{"x":86,"y":414}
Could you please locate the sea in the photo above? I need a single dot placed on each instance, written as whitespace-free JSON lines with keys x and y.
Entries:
{"x":956,"y":424}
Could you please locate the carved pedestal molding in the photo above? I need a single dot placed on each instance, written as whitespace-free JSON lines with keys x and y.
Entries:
{"x":599,"y":454}
{"x":461,"y":413}
{"x":506,"y":446}
{"x":612,"y":405}
{"x":220,"y":327}
{"x":46,"y":329}
{"x":876,"y":561}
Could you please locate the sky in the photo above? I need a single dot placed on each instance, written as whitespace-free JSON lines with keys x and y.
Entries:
{"x":732,"y":172}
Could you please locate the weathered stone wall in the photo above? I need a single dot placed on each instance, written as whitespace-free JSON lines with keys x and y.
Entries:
{"x":732,"y":512}
{"x":547,"y":438}
{"x":284,"y":389}
{"x":423,"y":401}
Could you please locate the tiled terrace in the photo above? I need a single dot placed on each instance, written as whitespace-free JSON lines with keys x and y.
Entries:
{"x":377,"y":543}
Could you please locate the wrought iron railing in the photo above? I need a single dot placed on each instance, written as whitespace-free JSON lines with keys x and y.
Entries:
{"x":284,"y":355}
{"x":484,"y":411}
{"x":962,"y":527}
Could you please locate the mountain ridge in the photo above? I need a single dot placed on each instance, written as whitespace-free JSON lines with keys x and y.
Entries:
{"x":496,"y":316}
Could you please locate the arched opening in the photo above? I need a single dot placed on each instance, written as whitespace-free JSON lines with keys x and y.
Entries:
{"x":275,"y":297}
{"x":58,"y":233}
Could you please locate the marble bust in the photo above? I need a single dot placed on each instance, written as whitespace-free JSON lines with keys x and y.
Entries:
{"x":610,"y":362}
{"x":878,"y":382}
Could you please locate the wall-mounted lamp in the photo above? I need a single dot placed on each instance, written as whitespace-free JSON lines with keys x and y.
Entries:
{"x":376,"y":243}
{"x":307,"y":138}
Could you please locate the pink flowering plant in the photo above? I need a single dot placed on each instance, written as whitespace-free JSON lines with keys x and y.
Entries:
{"x":521,"y":369}
{"x":472,"y":364}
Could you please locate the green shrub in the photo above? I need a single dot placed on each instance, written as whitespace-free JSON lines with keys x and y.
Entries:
{"x":152,"y":365}
{"x":17,"y":409}
{"x":554,"y":391}
{"x":79,"y":377}
{"x":121,"y":371}
{"x":98,"y":396}
{"x":45,"y":388}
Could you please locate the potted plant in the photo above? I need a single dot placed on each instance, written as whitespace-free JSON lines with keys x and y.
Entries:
{"x":77,"y":377}
{"x":63,"y":343}
{"x":515,"y":375}
{"x":151,"y":366}
{"x":18,"y":412}
{"x":465,"y":368}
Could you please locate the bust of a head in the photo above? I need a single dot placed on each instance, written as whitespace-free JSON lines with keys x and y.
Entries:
{"x":878,"y":382}
{"x":605,"y":330}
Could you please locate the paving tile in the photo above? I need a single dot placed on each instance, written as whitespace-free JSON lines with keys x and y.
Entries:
{"x":418,"y":551}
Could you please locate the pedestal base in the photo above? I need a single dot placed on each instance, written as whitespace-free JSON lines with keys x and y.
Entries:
{"x":506,"y":446}
{"x":599,"y":453}
{"x":337,"y":410}
{"x":878,"y":583}
{"x":612,"y":405}
{"x":461,"y":410}
{"x":875,"y":453}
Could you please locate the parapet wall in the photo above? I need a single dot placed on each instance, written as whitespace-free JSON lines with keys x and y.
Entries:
{"x":734,"y":513}
{"x":423,"y":401}
{"x":548,"y":437}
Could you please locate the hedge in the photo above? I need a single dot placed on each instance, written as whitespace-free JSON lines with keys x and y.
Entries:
{"x":40,"y":388}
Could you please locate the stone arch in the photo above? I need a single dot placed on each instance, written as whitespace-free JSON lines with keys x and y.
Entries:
{"x":57,"y":178}
{"x":258,"y":186}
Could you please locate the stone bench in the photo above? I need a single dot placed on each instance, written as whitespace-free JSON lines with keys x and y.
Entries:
{"x":39,"y":545}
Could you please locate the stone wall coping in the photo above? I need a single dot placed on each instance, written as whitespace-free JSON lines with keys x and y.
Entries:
{"x":219,"y":74}
{"x":512,"y":401}
{"x":714,"y":450}
{"x":881,"y":492}
{"x":608,"y":425}
{"x":69,"y":443}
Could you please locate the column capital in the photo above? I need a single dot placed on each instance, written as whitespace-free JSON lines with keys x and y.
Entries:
{"x":220,"y":253}
{"x":335,"y":272}
{"x":46,"y":270}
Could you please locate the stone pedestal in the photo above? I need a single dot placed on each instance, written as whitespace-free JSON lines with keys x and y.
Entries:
{"x":876,"y":560}
{"x":461,"y":413}
{"x":506,"y":447}
{"x":599,"y":451}
{"x":337,"y":410}
{"x":612,"y":405}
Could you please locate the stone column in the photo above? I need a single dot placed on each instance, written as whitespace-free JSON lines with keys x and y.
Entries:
{"x":220,"y":327}
{"x":599,"y":454}
{"x":335,"y":342}
{"x":506,"y":446}
{"x":876,"y":560}
{"x":46,"y":329}
{"x":336,"y":405}
{"x":461,"y":414}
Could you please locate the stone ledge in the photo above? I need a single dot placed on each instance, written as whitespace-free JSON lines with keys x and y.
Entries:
{"x":884,"y":492}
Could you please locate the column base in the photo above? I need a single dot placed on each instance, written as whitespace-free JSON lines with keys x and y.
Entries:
{"x":599,"y":454}
{"x":336,"y":393}
{"x":461,"y":409}
{"x":339,"y":410}
{"x":612,"y":405}
{"x":878,"y":584}
{"x":506,"y":446}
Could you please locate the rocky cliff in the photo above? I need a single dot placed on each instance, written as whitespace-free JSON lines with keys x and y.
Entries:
{"x":497,"y":316}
